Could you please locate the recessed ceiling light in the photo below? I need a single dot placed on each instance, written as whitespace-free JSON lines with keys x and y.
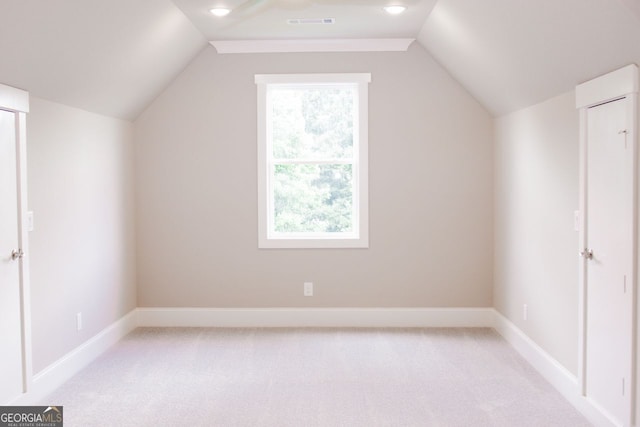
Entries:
{"x":394,"y":10}
{"x":220,"y":11}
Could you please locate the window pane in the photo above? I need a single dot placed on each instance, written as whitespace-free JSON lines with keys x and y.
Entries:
{"x":315,"y":123}
{"x":313,"y":198}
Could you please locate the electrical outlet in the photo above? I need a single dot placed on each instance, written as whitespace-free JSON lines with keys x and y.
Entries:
{"x":308,"y":289}
{"x":525,"y":312}
{"x":79,"y":321}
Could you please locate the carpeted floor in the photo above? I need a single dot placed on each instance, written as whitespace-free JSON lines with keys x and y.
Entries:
{"x":312,"y":377}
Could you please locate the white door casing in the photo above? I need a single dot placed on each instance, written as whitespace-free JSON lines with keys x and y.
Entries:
{"x":10,"y":317}
{"x":608,"y":235}
{"x":15,"y":350}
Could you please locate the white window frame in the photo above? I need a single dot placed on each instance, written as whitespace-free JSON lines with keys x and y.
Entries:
{"x":360,"y":237}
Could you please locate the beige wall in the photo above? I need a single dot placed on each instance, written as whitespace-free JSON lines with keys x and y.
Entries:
{"x":431,"y":192}
{"x":82,"y":247}
{"x":536,"y":164}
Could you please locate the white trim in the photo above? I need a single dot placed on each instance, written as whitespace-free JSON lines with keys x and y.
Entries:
{"x":54,"y":375}
{"x":14,"y":99}
{"x":23,"y":239}
{"x":608,"y":87}
{"x":17,"y":102}
{"x":582,"y":244}
{"x":559,"y":377}
{"x":635,"y":123}
{"x":357,"y":238}
{"x":316,"y":317}
{"x":307,"y":78}
{"x":311,"y":45}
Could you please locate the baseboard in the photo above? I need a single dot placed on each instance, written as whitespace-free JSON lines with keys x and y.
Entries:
{"x":563,"y":380}
{"x":60,"y":371}
{"x":54,"y":375}
{"x":316,"y":317}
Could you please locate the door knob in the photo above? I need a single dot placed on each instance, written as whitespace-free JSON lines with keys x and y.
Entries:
{"x":587,"y":254}
{"x":17,"y":254}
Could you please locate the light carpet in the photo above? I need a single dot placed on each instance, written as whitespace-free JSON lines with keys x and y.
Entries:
{"x":312,"y":377}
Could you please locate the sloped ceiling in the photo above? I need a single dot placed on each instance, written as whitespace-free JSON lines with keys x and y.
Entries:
{"x":111,"y":57}
{"x":513,"y":53}
{"x":114,"y":57}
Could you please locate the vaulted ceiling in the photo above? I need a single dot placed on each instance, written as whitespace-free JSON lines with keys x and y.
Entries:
{"x":513,"y":53}
{"x":111,"y":57}
{"x":114,"y":57}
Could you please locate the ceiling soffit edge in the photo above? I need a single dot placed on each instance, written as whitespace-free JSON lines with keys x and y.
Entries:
{"x":312,"y":45}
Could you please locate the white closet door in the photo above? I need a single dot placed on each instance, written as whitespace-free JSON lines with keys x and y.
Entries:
{"x":10,"y":306}
{"x":609,"y":260}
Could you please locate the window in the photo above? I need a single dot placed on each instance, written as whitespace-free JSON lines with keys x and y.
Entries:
{"x":312,"y":160}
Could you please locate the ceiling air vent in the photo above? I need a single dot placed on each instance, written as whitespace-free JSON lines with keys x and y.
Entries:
{"x":311,"y":21}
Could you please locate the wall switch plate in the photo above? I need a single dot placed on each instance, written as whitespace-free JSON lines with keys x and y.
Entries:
{"x":79,"y":321}
{"x":308,"y":289}
{"x":525,"y":312}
